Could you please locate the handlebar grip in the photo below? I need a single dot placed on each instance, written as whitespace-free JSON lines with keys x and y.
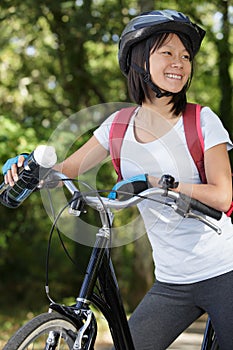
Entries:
{"x":205,"y":209}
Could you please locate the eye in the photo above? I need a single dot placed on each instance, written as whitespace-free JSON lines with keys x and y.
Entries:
{"x":186,"y":57}
{"x":167,"y":53}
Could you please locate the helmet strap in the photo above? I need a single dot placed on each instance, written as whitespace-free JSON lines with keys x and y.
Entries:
{"x":147,"y":79}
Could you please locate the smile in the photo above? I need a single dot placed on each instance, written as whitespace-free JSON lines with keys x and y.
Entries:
{"x":173,"y":76}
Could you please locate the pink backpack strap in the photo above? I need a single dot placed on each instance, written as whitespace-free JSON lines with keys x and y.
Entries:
{"x":194,"y":137}
{"x":117,"y":131}
{"x":230,"y":211}
{"x":195,"y":141}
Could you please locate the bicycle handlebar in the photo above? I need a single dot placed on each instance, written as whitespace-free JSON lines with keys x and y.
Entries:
{"x":182,"y":203}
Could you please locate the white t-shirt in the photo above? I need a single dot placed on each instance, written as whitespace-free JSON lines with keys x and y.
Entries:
{"x":184,"y":250}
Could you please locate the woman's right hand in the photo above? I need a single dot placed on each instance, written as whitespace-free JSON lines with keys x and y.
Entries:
{"x":10,"y":168}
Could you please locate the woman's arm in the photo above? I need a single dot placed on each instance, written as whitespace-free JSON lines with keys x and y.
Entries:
{"x":85,"y":158}
{"x":217,"y":193}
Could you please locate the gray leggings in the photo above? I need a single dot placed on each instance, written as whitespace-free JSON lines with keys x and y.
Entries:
{"x":168,"y":309}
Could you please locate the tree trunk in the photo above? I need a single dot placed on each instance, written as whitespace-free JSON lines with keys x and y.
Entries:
{"x":224,"y":58}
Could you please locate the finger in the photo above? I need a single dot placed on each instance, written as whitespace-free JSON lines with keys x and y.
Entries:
{"x":21,"y":160}
{"x":14,"y":172}
{"x":9,"y":178}
{"x":6,"y":179}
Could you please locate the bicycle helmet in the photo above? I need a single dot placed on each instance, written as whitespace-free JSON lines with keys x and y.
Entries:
{"x":149,"y":23}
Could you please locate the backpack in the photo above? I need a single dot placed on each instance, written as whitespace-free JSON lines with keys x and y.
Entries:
{"x":193,"y":134}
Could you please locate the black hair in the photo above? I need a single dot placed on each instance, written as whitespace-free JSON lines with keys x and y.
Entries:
{"x":138,"y":88}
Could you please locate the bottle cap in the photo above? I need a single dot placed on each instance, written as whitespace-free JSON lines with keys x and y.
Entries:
{"x":45,"y":156}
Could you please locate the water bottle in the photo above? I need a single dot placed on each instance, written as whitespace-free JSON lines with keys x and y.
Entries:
{"x":35,"y":168}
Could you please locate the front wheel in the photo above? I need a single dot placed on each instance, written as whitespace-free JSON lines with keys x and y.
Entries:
{"x":47,"y":331}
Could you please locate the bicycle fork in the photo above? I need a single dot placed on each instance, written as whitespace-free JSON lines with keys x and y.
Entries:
{"x":91,"y":325}
{"x":85,"y":337}
{"x":80,"y":314}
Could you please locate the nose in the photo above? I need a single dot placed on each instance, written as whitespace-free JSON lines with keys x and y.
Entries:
{"x":177,"y":62}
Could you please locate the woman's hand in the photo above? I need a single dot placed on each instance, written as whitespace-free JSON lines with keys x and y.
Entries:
{"x":125,"y":189}
{"x":10,"y":168}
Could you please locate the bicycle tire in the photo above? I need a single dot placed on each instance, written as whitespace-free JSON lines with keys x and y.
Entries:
{"x":35,"y":332}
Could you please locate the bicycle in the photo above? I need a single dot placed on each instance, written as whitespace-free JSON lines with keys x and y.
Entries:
{"x":75,"y":327}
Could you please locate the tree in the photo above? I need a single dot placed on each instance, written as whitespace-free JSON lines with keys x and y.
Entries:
{"x":224,"y":43}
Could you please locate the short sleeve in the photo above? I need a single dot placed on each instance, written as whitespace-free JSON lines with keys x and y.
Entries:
{"x":102,"y":132}
{"x":213,"y":130}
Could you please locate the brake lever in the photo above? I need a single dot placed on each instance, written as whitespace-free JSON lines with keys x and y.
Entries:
{"x":216,"y":228}
{"x":189,"y":214}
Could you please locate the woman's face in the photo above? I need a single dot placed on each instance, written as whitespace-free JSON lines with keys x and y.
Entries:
{"x":170,"y":65}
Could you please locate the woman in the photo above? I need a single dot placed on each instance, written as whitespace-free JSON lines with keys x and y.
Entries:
{"x":193,"y":265}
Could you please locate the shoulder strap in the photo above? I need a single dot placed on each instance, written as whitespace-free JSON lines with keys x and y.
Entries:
{"x":194,"y":137}
{"x":192,"y":128}
{"x":117,"y":131}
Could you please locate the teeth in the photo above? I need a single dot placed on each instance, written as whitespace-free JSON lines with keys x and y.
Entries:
{"x":173,"y":76}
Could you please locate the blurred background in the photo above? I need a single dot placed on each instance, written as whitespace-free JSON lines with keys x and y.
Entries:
{"x":57,"y":58}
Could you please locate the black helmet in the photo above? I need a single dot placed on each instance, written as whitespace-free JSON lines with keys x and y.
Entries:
{"x":146,"y":24}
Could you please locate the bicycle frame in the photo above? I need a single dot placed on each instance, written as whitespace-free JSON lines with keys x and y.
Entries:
{"x":110,"y":304}
{"x":100,"y":268}
{"x":209,"y":336}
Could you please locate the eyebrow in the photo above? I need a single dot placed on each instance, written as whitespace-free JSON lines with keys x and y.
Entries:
{"x":172,"y":46}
